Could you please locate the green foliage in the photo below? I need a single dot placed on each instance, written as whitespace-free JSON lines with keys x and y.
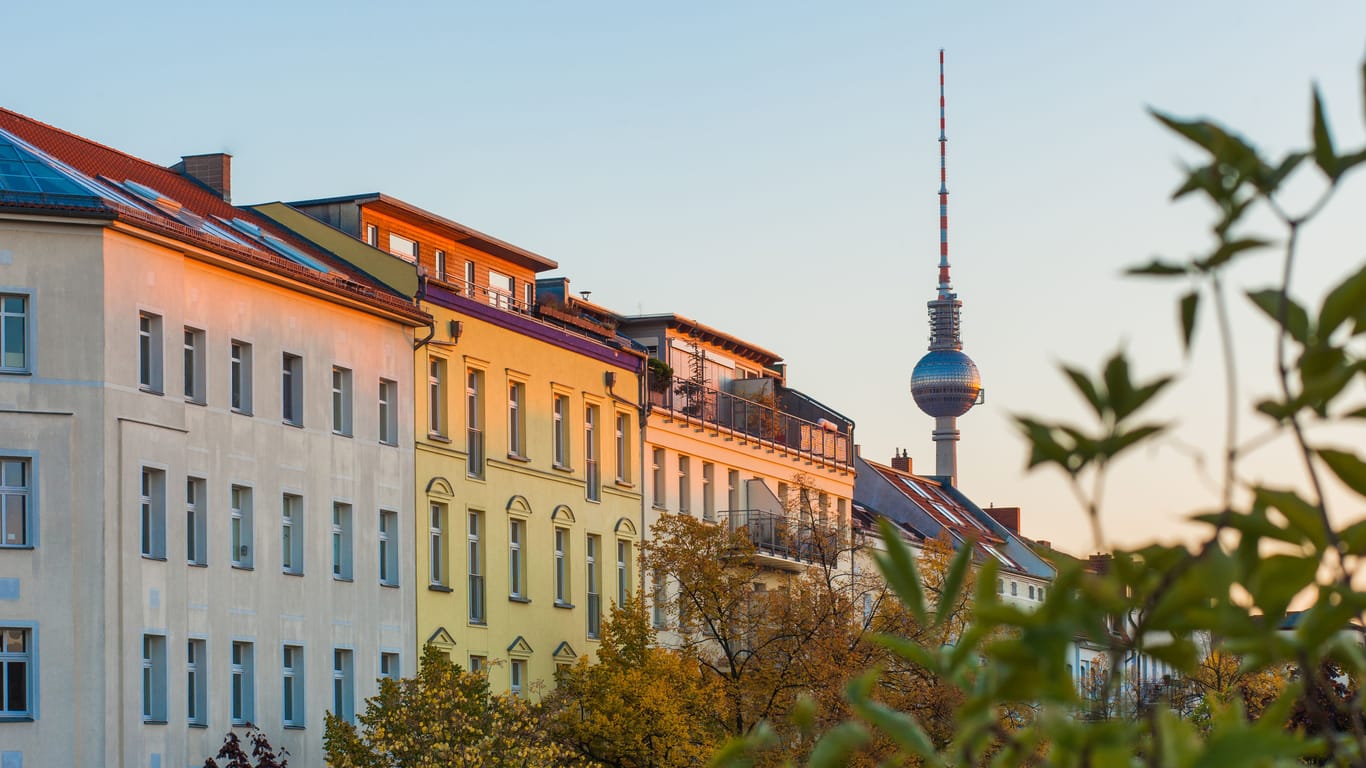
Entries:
{"x":1254,"y":685}
{"x":444,"y":717}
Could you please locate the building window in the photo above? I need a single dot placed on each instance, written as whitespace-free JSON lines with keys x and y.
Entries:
{"x":343,"y":685}
{"x":16,"y":672}
{"x":15,"y":483}
{"x":516,"y":419}
{"x":402,"y":247}
{"x":593,"y":578}
{"x":292,"y":389}
{"x":469,"y":278}
{"x":529,"y":295}
{"x":388,"y":547}
{"x":240,"y":355}
{"x":623,"y":448}
{"x":623,"y":571}
{"x":590,"y":453}
{"x":478,"y":663}
{"x":439,"y":261}
{"x":388,"y":666}
{"x":518,"y":676}
{"x":659,"y":599}
{"x":500,"y":290}
{"x":684,"y":484}
{"x":196,"y":689}
{"x":152,"y":503}
{"x":341,"y":401}
{"x":708,"y":491}
{"x":153,"y":678}
{"x":1014,"y":589}
{"x":436,"y":536}
{"x":476,"y":568}
{"x":516,"y":560}
{"x":13,"y":333}
{"x":388,"y":412}
{"x":194,"y":365}
{"x":292,"y":534}
{"x":560,"y":430}
{"x":562,"y":566}
{"x":1000,"y":586}
{"x":1031,"y":591}
{"x":149,"y":352}
{"x":239,"y":527}
{"x":196,"y":524}
{"x":657,"y":478}
{"x":292,"y":673}
{"x":436,"y":396}
{"x":474,"y":422}
{"x":341,"y":541}
{"x":243,"y":708}
{"x":733,"y":489}
{"x":372,"y":235}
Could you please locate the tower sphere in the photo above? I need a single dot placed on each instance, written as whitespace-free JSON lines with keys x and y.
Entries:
{"x":945,"y":383}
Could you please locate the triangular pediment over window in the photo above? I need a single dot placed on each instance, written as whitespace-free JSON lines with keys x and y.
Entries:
{"x":442,"y":639}
{"x":520,"y":647}
{"x":564,"y":652}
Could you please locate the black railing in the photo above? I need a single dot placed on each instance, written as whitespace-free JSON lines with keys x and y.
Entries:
{"x":818,"y":441}
{"x":793,"y":537}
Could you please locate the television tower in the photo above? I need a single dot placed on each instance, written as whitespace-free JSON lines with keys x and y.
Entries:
{"x":945,"y":383}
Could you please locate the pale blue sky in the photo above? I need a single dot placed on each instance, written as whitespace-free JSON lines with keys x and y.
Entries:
{"x":770,"y":168}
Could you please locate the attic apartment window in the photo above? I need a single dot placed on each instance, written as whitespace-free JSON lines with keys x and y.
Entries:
{"x":402,"y":247}
{"x":372,"y":235}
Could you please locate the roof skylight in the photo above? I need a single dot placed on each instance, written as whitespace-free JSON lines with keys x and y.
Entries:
{"x":22,"y":171}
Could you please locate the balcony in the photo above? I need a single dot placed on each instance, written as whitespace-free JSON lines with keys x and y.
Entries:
{"x":824,"y":439}
{"x":786,"y":542}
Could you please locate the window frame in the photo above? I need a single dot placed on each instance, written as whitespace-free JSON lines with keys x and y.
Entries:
{"x":593,"y":584}
{"x":293,"y":686}
{"x":475,"y":597}
{"x":344,"y":684}
{"x":240,"y":527}
{"x":474,"y":422}
{"x":292,"y":534}
{"x":242,"y":682}
{"x":390,"y":665}
{"x":659,"y":492}
{"x":516,"y":420}
{"x":196,"y":677}
{"x":591,"y":470}
{"x":343,"y":520}
{"x":195,"y":383}
{"x":342,"y":401}
{"x":517,"y":587}
{"x":684,"y":484}
{"x":388,"y":411}
{"x":150,"y":373}
{"x":388,"y":548}
{"x":438,"y":425}
{"x":196,"y":522}
{"x":25,"y":492}
{"x":154,"y":678}
{"x":562,"y":575}
{"x":560,"y":431}
{"x":239,"y":376}
{"x":622,"y":445}
{"x":438,"y":559}
{"x":24,"y":336}
{"x":292,"y":389}
{"x":152,"y":512}
{"x":623,"y":571}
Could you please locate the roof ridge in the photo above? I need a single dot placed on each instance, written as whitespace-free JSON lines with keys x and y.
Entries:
{"x":84,"y":139}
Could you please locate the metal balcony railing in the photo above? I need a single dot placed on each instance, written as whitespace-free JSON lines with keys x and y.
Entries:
{"x":764,"y":423}
{"x":794,"y":537}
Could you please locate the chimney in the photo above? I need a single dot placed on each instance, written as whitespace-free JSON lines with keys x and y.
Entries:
{"x":1098,"y":563}
{"x":1045,"y":543}
{"x":213,"y":171}
{"x":901,"y":462}
{"x":1006,"y":516}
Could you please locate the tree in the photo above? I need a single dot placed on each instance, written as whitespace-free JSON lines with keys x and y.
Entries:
{"x":1268,"y":542}
{"x":779,"y":644}
{"x":263,"y":755}
{"x":639,"y":706}
{"x":444,"y":717}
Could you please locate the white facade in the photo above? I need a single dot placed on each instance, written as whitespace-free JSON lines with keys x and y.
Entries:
{"x":125,"y":588}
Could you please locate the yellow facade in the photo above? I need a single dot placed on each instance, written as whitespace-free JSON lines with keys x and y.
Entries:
{"x":508,"y":506}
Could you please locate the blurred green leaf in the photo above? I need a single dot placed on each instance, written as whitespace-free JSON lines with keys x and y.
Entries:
{"x":1349,"y":468}
{"x":1302,"y":516}
{"x":945,"y":607}
{"x":1088,"y":390}
{"x":1227,"y":250}
{"x":897,"y":565}
{"x":1157,"y":268}
{"x":1296,"y":319}
{"x":1189,"y":304}
{"x":900,"y":727}
{"x":836,"y":744}
{"x":1347,"y":300}
{"x":1324,"y":155}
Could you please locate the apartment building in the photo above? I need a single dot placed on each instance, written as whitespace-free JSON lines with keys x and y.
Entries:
{"x":727,"y":441}
{"x":528,"y":423}
{"x":206,"y":465}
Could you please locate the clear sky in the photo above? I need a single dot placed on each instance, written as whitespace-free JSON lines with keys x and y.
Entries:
{"x":770,"y":168}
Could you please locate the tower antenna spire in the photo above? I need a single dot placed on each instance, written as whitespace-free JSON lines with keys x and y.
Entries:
{"x":945,"y":287}
{"x":945,"y":383}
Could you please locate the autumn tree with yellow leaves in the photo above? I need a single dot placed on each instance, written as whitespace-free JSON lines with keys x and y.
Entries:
{"x":444,"y":717}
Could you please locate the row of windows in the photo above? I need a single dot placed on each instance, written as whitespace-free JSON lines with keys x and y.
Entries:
{"x":241,"y":529}
{"x":561,"y":441}
{"x":1035,"y":593}
{"x":501,"y":288}
{"x":660,"y":485}
{"x":519,"y":554}
{"x":240,"y":379}
{"x":242,"y":684}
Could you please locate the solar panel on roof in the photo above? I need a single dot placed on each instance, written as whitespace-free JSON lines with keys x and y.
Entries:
{"x":294,"y":254}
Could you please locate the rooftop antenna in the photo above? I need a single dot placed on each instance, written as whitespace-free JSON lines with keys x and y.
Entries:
{"x":945,"y":383}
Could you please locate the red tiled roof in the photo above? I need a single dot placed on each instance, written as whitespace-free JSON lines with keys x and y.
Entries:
{"x":97,"y":160}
